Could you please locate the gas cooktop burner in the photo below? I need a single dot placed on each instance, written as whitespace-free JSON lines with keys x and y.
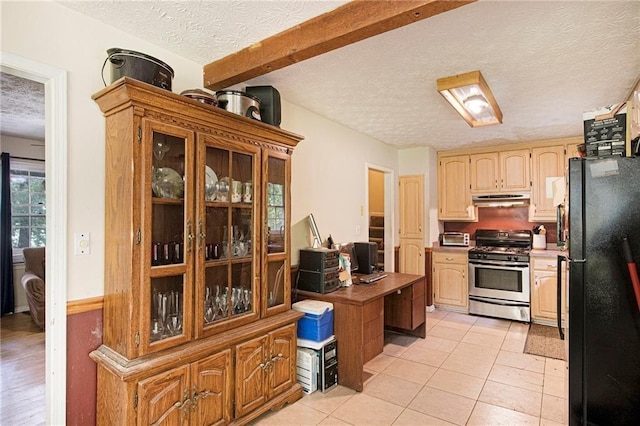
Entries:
{"x":491,"y":244}
{"x":498,"y":250}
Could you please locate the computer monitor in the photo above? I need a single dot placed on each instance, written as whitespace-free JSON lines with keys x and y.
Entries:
{"x":317,"y":239}
{"x":367,"y":254}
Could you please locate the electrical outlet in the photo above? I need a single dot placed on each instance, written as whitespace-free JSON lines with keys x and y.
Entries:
{"x":357,"y":229}
{"x":82,"y":243}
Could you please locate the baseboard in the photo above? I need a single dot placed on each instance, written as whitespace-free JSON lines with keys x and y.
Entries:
{"x":19,"y":309}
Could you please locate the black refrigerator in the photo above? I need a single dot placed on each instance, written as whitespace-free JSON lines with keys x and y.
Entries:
{"x":604,"y":307}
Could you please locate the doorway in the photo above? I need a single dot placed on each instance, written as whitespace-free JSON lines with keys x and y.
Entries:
{"x":55,"y":82}
{"x":379,"y":213}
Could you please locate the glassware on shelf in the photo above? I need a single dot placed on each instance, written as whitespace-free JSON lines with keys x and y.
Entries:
{"x":157,"y":329}
{"x":166,"y":311}
{"x":174,"y":324}
{"x":221,"y":189}
{"x":236,"y":191}
{"x":240,"y":243}
{"x":247,"y":192}
{"x":160,"y":147}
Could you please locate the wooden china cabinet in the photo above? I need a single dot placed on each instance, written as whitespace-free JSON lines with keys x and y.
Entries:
{"x":198,"y":326}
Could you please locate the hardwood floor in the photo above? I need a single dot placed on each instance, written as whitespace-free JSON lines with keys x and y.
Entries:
{"x":22,"y":371}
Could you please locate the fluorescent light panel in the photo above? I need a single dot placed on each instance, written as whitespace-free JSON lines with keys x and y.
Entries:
{"x":470,"y":95}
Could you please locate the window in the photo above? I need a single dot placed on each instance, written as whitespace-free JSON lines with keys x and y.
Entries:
{"x":28,"y":206}
{"x":275,"y":208}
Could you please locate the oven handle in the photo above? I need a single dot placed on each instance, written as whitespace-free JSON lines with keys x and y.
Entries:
{"x":492,"y":301}
{"x":559,"y":302}
{"x":496,"y":264}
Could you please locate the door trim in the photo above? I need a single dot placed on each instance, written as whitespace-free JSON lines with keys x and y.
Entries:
{"x":389,"y":211}
{"x":55,"y":87}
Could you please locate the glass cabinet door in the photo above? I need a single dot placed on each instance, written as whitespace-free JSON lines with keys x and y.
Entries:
{"x":276,"y":219}
{"x":167,"y":235}
{"x":227,"y":256}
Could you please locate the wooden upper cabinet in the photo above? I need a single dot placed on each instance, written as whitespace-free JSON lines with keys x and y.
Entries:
{"x":514,"y":171}
{"x":485,"y":173}
{"x":411,"y":206}
{"x":494,"y":172}
{"x":547,"y":162}
{"x":454,"y":195}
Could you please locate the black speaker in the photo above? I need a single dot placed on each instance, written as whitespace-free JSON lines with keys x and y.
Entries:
{"x":269,"y":103}
{"x":367,"y":254}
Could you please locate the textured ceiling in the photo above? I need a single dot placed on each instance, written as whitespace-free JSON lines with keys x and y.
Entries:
{"x":22,"y":107}
{"x":546,"y":62}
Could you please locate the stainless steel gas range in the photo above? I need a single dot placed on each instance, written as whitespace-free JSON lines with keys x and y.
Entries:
{"x":499,"y":274}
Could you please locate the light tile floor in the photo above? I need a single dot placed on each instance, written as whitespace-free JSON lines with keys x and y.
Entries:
{"x":468,"y":371}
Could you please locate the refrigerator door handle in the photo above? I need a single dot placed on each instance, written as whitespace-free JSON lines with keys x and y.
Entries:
{"x":559,"y":306}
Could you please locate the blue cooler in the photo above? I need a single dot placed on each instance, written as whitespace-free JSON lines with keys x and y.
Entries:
{"x":317,"y":322}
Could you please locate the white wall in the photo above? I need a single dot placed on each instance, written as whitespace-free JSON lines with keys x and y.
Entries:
{"x":329,"y":175}
{"x":328,"y":166}
{"x":423,"y":161}
{"x":20,"y":147}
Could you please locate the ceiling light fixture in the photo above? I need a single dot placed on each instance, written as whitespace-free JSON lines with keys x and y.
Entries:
{"x":470,"y":95}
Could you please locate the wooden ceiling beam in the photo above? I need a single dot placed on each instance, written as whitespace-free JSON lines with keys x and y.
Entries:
{"x":350,"y":23}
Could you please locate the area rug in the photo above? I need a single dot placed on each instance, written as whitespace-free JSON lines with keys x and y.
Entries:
{"x":545,"y":341}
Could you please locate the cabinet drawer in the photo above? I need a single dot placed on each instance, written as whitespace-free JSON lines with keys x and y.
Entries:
{"x":372,"y":348}
{"x":373,"y":310}
{"x":450,"y":257}
{"x":373,"y":329}
{"x":417,"y":290}
{"x":545,"y":263}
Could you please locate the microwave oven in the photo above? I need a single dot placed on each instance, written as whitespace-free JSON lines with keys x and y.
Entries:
{"x":454,"y":239}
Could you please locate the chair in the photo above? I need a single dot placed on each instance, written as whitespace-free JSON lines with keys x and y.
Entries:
{"x":33,"y":283}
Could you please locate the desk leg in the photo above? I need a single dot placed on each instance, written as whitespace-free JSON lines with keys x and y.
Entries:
{"x":347,"y":327}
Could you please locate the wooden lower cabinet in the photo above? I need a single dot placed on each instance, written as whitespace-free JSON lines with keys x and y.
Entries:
{"x":199,"y":393}
{"x":252,"y":368}
{"x":411,"y":256}
{"x":450,"y":284}
{"x":544,"y":289}
{"x":265,"y":367}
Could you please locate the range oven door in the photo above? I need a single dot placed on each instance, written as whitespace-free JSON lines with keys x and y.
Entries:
{"x":499,"y":280}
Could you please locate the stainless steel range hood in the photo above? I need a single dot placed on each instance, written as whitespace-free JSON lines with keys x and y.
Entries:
{"x":501,"y":200}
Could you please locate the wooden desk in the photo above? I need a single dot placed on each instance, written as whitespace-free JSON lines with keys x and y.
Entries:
{"x":360,"y":314}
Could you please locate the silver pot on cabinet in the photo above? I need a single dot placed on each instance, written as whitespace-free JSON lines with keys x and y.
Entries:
{"x":239,"y":102}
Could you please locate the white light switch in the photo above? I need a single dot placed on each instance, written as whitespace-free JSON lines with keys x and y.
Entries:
{"x":82,"y":243}
{"x":357,"y":229}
